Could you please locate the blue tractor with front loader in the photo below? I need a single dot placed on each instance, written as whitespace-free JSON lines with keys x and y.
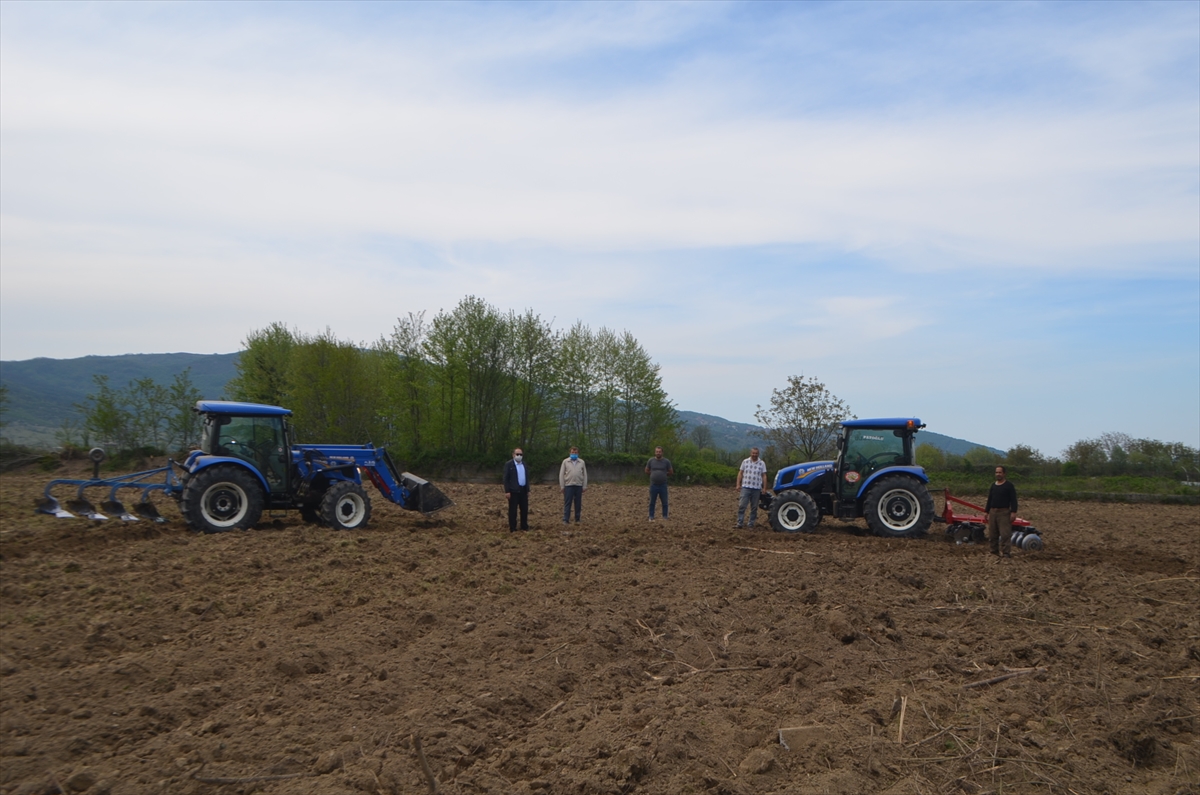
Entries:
{"x":248,"y":462}
{"x":875,"y":477}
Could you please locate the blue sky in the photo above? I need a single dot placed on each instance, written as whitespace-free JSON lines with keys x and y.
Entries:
{"x":986,"y":215}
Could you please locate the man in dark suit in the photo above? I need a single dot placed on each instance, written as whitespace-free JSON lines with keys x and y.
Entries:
{"x":516,"y":490}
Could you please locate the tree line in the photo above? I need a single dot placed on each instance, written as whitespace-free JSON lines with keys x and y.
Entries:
{"x":1109,"y":454}
{"x":469,"y":384}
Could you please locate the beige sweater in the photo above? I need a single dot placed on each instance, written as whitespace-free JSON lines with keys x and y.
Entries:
{"x":572,"y":473}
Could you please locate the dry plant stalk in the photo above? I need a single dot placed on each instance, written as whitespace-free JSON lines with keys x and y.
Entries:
{"x":1002,"y":677}
{"x":429,"y":778}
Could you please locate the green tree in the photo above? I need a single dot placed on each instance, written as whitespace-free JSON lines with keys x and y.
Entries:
{"x":930,"y":457}
{"x":702,"y":437}
{"x":533,"y":368}
{"x":335,"y":392}
{"x":264,"y":368}
{"x":1022,"y":455}
{"x":577,"y":385}
{"x":149,"y":407}
{"x":406,"y":382}
{"x":982,"y":457}
{"x":183,"y":424}
{"x":1088,"y":456}
{"x":803,"y":418}
{"x":106,"y":421}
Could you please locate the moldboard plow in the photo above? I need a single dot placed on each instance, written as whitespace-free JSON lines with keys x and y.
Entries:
{"x":168,"y":482}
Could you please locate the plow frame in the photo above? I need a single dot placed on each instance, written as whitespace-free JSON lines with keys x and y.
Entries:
{"x":171,"y":484}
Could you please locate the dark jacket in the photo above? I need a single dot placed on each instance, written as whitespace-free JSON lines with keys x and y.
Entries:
{"x":510,"y":478}
{"x":1002,"y":495}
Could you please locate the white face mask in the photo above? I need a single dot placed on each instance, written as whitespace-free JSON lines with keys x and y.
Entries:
{"x":518,"y":458}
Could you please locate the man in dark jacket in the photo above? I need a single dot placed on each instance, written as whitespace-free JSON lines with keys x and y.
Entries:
{"x":1001,"y":509}
{"x":516,"y":490}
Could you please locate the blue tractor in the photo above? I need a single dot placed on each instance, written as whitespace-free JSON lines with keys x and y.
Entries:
{"x":874,"y":476}
{"x":248,"y":463}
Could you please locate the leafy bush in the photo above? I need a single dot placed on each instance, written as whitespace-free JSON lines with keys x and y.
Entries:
{"x":698,"y":472}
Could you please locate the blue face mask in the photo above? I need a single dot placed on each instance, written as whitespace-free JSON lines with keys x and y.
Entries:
{"x":574,"y":456}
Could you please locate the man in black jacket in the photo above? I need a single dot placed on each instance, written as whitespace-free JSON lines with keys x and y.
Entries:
{"x":1001,"y":509}
{"x":516,"y":490}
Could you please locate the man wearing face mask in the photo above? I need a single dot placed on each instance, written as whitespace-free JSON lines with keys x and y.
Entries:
{"x":516,"y":490}
{"x":572,"y":480}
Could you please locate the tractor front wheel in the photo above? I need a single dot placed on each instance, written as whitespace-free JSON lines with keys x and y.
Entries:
{"x":794,"y":511}
{"x":346,"y":506}
{"x":898,"y":507}
{"x":221,"y":498}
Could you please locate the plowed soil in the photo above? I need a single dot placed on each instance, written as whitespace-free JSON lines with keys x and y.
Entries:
{"x":614,"y":656}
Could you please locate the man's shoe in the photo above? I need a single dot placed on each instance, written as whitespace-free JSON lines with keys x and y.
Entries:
{"x":738,"y":525}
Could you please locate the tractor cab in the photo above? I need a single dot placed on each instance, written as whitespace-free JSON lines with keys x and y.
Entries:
{"x":866,"y":446}
{"x":254,"y":433}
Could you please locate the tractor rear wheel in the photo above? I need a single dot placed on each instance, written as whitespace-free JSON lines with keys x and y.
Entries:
{"x":794,"y":511}
{"x":222,"y":498}
{"x":898,"y":507}
{"x":346,"y":506}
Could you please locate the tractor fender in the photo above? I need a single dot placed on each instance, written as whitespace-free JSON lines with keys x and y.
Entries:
{"x":915,"y":472}
{"x":199,"y":462}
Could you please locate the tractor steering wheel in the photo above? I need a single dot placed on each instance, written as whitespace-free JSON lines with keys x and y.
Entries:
{"x":248,"y":451}
{"x":885,"y":454}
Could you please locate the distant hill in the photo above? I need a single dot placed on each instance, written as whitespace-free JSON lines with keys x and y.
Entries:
{"x":728,"y":435}
{"x":42,"y":394}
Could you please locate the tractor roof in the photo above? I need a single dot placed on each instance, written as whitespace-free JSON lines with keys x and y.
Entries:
{"x":886,"y":423}
{"x":240,"y":409}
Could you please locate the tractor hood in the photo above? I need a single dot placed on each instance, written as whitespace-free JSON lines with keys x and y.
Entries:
{"x":800,"y":474}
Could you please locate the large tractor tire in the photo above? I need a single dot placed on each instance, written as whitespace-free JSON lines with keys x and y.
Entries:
{"x":222,"y":498}
{"x":794,"y":511}
{"x":311,"y":514}
{"x":898,"y":507}
{"x":346,"y":506}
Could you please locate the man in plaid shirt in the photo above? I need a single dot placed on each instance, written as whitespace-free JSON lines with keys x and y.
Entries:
{"x":751,"y":481}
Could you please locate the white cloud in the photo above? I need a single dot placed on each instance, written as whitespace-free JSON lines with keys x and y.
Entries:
{"x":343,"y":164}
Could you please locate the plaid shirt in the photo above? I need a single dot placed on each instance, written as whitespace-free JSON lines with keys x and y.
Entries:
{"x":753,"y":473}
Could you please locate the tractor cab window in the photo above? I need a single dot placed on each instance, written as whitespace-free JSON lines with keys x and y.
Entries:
{"x":867,"y":450}
{"x":257,"y":440}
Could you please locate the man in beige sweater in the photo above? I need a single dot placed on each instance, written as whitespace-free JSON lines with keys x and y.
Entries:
{"x":572,"y":480}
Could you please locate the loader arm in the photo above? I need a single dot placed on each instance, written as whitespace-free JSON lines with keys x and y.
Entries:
{"x":404,"y":488}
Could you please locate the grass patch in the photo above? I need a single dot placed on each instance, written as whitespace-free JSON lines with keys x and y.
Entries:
{"x":1109,"y":488}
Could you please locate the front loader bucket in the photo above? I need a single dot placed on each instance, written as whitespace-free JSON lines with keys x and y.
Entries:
{"x":50,"y":505}
{"x":423,"y":495}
